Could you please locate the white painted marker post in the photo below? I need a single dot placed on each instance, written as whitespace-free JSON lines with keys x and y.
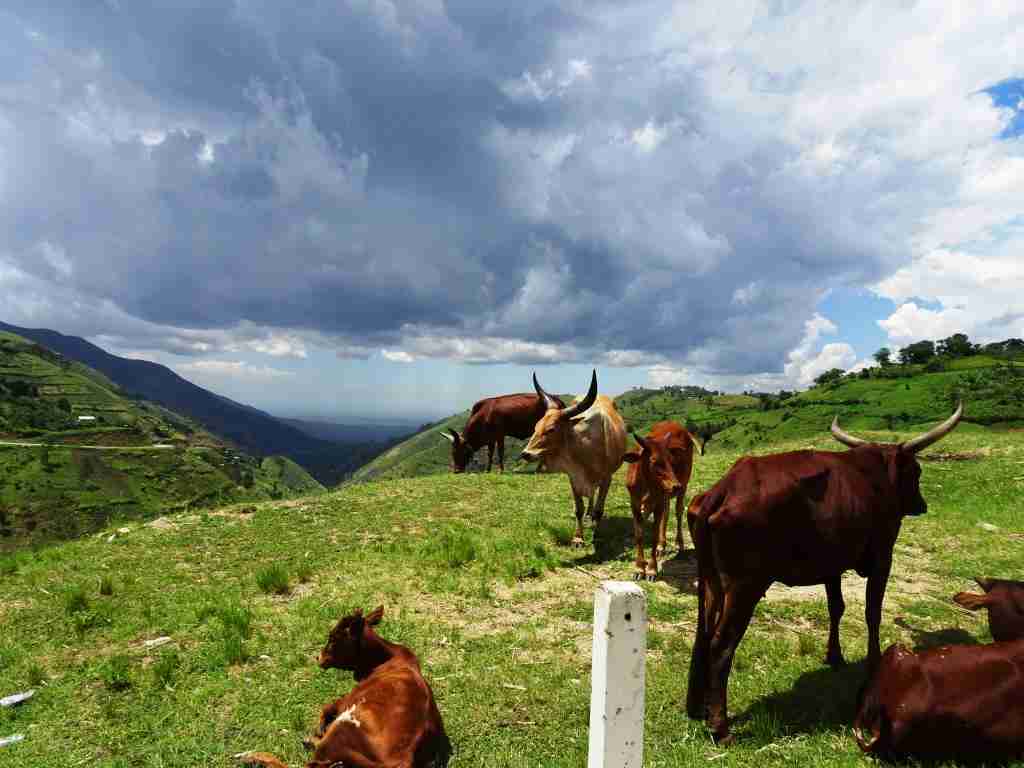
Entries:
{"x":617,"y":687}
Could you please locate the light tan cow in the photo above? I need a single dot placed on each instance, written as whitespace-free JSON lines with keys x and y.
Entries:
{"x":586,"y":440}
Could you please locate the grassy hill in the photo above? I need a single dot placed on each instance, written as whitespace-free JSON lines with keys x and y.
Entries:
{"x":906,"y":398}
{"x":475,"y":574}
{"x":62,"y":477}
{"x":252,"y":430}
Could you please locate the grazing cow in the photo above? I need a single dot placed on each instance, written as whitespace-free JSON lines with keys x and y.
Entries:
{"x":1004,"y":601}
{"x":586,"y":441}
{"x":659,"y":471}
{"x":491,"y":420}
{"x":956,"y":702}
{"x":801,"y":518}
{"x":389,"y":720}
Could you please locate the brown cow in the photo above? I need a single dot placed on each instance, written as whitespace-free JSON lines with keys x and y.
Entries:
{"x":961,"y":702}
{"x":586,"y":441}
{"x":1004,"y":601}
{"x":389,"y":720}
{"x":490,"y":422}
{"x":659,"y":471}
{"x":801,"y":518}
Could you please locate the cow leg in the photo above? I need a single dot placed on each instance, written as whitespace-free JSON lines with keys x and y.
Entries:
{"x":602,"y":493}
{"x":577,"y":539}
{"x":680,"y":509}
{"x":490,"y":455}
{"x":877,"y":580}
{"x":737,"y":609}
{"x":636,"y":505}
{"x":657,"y":536}
{"x":501,"y":453}
{"x":662,"y":518}
{"x":836,"y":606}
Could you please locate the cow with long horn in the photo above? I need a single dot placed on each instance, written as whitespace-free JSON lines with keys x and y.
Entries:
{"x":800,"y":518}
{"x":490,"y":422}
{"x":586,"y":440}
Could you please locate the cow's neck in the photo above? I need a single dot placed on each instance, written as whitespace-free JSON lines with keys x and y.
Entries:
{"x":375,"y":651}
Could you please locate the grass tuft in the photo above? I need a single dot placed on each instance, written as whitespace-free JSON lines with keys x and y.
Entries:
{"x":116,"y":673}
{"x":165,"y":668}
{"x":106,"y":585}
{"x":273,"y":579}
{"x":75,"y":600}
{"x":35,"y":676}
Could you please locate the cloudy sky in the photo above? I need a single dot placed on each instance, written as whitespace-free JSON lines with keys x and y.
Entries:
{"x":393,"y":208}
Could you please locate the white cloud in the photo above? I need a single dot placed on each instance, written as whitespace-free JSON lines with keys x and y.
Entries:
{"x":279,"y":345}
{"x":649,"y":137}
{"x":232,"y":369}
{"x":397,"y":356}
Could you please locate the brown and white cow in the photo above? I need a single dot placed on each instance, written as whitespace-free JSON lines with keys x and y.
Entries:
{"x":490,"y":422}
{"x":956,"y":702}
{"x":389,"y":720}
{"x":586,"y":440}
{"x":801,"y":518}
{"x":1004,"y":601}
{"x":659,"y":472}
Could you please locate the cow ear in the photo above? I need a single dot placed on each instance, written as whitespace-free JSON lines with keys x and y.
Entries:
{"x":374,"y":618}
{"x":631,"y":457}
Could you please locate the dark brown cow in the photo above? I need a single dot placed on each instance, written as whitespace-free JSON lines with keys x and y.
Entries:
{"x":1004,"y":601}
{"x":801,"y":518}
{"x":659,"y":471}
{"x":389,"y":720}
{"x":956,"y":702}
{"x":490,"y":422}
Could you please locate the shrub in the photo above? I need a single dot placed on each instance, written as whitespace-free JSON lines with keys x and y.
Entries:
{"x":273,"y":579}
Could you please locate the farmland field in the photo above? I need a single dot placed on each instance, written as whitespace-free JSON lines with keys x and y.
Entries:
{"x":475,"y":574}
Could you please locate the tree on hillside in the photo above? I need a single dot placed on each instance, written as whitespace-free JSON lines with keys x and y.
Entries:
{"x":957,"y":345}
{"x":918,"y":352}
{"x":883,"y":356}
{"x":833,"y":374}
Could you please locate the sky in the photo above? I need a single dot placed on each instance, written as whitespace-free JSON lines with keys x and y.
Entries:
{"x":391,"y":209}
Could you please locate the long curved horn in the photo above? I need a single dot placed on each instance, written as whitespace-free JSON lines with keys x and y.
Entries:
{"x":452,"y":435}
{"x":446,"y":436}
{"x":844,"y":438}
{"x":549,"y":401}
{"x":934,"y":435}
{"x":639,"y":439}
{"x":577,"y":408}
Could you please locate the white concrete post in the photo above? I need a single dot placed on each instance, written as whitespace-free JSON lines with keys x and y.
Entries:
{"x":617,"y":676}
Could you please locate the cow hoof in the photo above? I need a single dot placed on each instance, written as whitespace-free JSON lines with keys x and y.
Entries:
{"x":638,"y":575}
{"x":578,"y":543}
{"x":835,"y":660}
{"x":651,"y":577}
{"x":309,"y":743}
{"x":726,"y":740}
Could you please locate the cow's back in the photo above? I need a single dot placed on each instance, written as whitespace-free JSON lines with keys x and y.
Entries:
{"x":959,"y":701}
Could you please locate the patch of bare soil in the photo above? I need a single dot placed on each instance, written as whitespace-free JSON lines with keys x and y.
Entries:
{"x":957,"y":456}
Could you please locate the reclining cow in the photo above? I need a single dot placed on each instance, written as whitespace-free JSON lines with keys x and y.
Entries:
{"x":956,"y":702}
{"x":1004,"y":601}
{"x":389,"y":720}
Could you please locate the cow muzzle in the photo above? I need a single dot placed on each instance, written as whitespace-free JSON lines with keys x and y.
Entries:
{"x":528,"y":456}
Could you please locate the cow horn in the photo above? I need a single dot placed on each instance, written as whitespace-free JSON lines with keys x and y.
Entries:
{"x":452,"y":435}
{"x":936,"y":434}
{"x":844,"y":438}
{"x":639,"y":439}
{"x":549,"y":401}
{"x":446,"y":436}
{"x":577,"y":408}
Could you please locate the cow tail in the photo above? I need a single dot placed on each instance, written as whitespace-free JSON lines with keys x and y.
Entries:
{"x":696,"y":692}
{"x":970,"y":601}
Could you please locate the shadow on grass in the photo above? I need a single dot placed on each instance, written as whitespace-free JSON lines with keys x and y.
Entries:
{"x":681,"y":571}
{"x":614,"y":540}
{"x":925,"y":639}
{"x":823,"y":699}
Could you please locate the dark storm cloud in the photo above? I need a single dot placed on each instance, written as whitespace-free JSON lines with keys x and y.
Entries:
{"x":406,"y":173}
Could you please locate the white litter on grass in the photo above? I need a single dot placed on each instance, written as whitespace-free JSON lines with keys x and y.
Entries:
{"x":988,"y":527}
{"x":16,"y":698}
{"x":157,"y":642}
{"x":124,"y":530}
{"x":11,"y":739}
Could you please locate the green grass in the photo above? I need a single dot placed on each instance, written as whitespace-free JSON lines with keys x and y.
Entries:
{"x":273,"y":579}
{"x":475,"y":575}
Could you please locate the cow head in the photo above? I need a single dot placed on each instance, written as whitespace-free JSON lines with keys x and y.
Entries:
{"x":554,"y":428}
{"x":901,"y":462}
{"x":461,"y":451}
{"x":654,"y":461}
{"x":345,"y":643}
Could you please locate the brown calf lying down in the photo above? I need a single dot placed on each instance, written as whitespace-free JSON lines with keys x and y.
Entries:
{"x":1004,"y":601}
{"x":963,"y":702}
{"x":658,"y":472}
{"x":389,"y":720}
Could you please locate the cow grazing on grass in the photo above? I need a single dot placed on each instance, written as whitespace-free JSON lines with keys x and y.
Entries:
{"x":389,"y":720}
{"x":1004,"y":601}
{"x":586,"y":440}
{"x":801,"y":518}
{"x":659,"y":472}
{"x":490,"y":422}
{"x":956,"y":702}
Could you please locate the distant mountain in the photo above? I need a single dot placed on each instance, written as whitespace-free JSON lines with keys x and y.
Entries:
{"x":351,"y":433}
{"x":252,"y":430}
